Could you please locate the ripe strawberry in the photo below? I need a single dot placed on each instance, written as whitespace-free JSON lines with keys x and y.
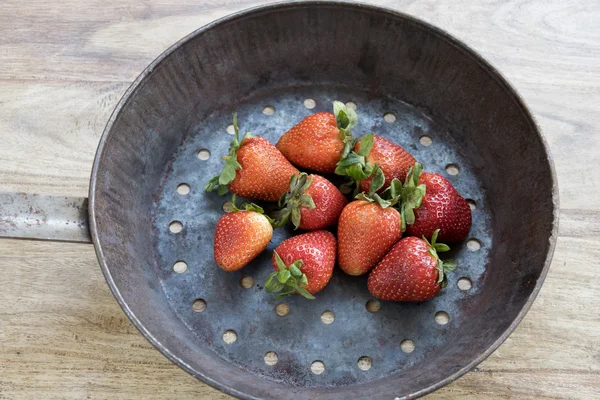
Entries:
{"x":411,"y":271}
{"x":254,"y":169}
{"x":303,"y":264}
{"x":318,"y":141}
{"x":240,"y":236}
{"x":312,"y":203}
{"x":373,"y":150}
{"x":367,"y":229}
{"x":441,"y":207}
{"x":393,"y":160}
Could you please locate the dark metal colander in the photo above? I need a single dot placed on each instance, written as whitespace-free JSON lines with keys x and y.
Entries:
{"x":152,"y":224}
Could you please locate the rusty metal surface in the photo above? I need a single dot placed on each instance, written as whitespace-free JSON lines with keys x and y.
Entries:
{"x":385,"y":62}
{"x":44,"y":217}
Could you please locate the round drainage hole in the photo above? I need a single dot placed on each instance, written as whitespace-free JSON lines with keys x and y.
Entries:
{"x":183,"y":189}
{"x":425,"y":140}
{"x":317,"y":367}
{"x":327,"y":317}
{"x":407,"y":346}
{"x":351,"y":105}
{"x":473,"y":244}
{"x":247,"y":282}
{"x":271,"y":358}
{"x":389,"y":118}
{"x":442,"y":318}
{"x":203,"y":154}
{"x":365,"y":363}
{"x":269,"y":110}
{"x":180,"y":267}
{"x":472,"y":204}
{"x":310,"y":104}
{"x":373,"y":306}
{"x":175,"y":227}
{"x":231,"y":130}
{"x":282,"y":309}
{"x":452,"y":169}
{"x":464,"y":284}
{"x":199,"y":305}
{"x":229,"y":336}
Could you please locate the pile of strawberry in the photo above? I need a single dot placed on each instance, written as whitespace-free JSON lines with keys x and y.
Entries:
{"x":392,"y":197}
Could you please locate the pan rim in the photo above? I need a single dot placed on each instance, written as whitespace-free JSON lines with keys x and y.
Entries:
{"x":441,"y":34}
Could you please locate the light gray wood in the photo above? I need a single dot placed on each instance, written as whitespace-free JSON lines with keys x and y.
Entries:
{"x":65,"y":64}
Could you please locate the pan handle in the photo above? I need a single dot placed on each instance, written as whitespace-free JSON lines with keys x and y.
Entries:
{"x":44,"y":217}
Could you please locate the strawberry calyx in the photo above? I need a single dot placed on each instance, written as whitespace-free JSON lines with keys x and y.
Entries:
{"x":247,"y":206}
{"x":291,"y":201}
{"x":445,"y":266}
{"x":227,"y":175}
{"x":346,"y":119}
{"x":411,"y":195}
{"x":388,"y":197}
{"x":288,"y":280}
{"x":353,"y":164}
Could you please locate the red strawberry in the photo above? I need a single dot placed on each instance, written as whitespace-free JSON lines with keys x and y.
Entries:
{"x":254,"y":169}
{"x":312,"y":203}
{"x":303,"y":264}
{"x":441,"y":207}
{"x":411,"y":271}
{"x":240,"y":236}
{"x":318,"y":141}
{"x":370,"y":151}
{"x":393,"y":160}
{"x":367,"y":230}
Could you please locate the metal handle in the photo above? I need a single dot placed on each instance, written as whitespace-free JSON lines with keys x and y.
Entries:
{"x":44,"y":217}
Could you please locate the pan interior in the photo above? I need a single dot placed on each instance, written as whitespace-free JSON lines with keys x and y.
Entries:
{"x":170,"y":130}
{"x":219,"y":307}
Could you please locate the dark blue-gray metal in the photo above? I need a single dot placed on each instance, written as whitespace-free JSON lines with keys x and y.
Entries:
{"x":300,"y":337}
{"x":170,"y":129}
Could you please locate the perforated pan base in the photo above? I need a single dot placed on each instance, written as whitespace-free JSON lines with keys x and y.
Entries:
{"x":182,"y":104}
{"x":300,"y":337}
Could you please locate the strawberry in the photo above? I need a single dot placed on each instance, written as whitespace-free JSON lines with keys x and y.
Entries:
{"x":254,"y":169}
{"x":240,"y":236}
{"x":441,"y":207}
{"x":312,"y":203}
{"x":393,"y":160}
{"x":367,"y":230}
{"x":373,"y":150}
{"x":411,"y":271}
{"x":318,"y":141}
{"x":303,"y":264}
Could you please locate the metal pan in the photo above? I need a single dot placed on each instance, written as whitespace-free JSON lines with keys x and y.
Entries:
{"x":441,"y":101}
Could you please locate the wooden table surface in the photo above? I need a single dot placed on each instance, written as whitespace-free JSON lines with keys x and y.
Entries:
{"x":64,"y":64}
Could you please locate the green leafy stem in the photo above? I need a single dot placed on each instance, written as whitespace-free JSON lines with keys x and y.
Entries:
{"x":388,"y":197}
{"x":411,"y":195}
{"x":288,"y":280}
{"x":443,"y":267}
{"x":291,"y":201}
{"x":353,"y":164}
{"x":346,"y":119}
{"x":227,"y":175}
{"x":247,"y":206}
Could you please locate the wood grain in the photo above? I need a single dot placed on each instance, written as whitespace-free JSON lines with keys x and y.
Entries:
{"x":65,"y":64}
